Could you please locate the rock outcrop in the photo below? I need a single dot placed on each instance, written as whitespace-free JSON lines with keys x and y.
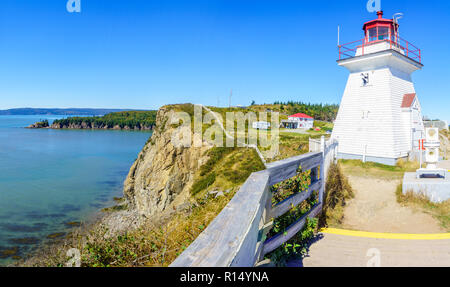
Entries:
{"x":39,"y":125}
{"x":160,"y":180}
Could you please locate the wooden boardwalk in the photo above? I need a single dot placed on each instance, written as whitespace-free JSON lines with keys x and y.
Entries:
{"x":337,"y":248}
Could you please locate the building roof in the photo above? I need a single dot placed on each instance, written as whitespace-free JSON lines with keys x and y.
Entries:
{"x":408,"y":100}
{"x":380,"y":21}
{"x":301,"y":115}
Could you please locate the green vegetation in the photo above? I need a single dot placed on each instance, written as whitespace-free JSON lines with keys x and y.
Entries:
{"x":440,"y":211}
{"x":226,"y":168}
{"x":296,"y":246}
{"x":130,"y":119}
{"x":372,"y":169}
{"x":153,"y":245}
{"x":282,"y":223}
{"x":285,"y":189}
{"x":43,"y":123}
{"x":338,"y":191}
{"x":322,"y":112}
{"x":39,"y":125}
{"x":326,"y":126}
{"x":292,"y":144}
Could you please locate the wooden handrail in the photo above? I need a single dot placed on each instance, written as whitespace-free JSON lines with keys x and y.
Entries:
{"x":237,"y":236}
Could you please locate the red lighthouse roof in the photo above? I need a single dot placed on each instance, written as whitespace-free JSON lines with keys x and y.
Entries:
{"x":379,"y":22}
{"x":380,"y":29}
{"x":301,"y":116}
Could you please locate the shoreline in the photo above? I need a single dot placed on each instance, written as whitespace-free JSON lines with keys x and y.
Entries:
{"x":97,"y":129}
{"x":115,"y":222}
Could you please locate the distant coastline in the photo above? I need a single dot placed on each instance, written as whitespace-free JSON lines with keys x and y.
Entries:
{"x":61,"y":112}
{"x":125,"y":120}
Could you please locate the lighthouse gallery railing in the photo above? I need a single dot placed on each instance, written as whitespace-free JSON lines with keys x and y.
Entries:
{"x":395,"y":42}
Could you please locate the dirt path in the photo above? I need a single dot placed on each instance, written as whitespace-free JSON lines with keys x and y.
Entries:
{"x":375,"y":209}
{"x":445,"y":164}
{"x":333,"y":250}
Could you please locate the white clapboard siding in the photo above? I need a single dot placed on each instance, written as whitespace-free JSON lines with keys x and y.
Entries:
{"x":370,"y":120}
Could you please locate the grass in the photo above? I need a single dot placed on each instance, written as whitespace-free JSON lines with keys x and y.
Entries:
{"x":153,"y":245}
{"x":226,"y":168}
{"x":326,"y":126}
{"x":372,"y":169}
{"x":337,"y":192}
{"x":291,"y":144}
{"x":440,"y":211}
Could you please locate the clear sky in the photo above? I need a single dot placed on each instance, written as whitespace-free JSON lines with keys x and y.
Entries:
{"x":147,"y":53}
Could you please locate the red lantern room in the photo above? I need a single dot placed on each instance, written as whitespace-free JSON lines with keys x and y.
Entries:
{"x":380,"y":35}
{"x":380,"y":29}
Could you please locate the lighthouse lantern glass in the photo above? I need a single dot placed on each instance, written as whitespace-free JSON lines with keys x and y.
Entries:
{"x":383,"y":33}
{"x":372,"y":34}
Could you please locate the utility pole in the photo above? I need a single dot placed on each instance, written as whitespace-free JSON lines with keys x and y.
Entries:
{"x":231,"y":94}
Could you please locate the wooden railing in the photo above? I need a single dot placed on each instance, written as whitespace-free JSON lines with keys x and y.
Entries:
{"x":237,"y":236}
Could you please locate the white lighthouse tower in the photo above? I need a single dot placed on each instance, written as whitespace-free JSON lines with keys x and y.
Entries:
{"x":379,"y":118}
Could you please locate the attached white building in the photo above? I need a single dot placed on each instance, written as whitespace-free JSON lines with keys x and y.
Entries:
{"x":299,"y":121}
{"x":379,"y":117}
{"x":412,"y":119}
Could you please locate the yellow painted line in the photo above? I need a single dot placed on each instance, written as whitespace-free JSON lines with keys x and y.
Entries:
{"x":439,"y":236}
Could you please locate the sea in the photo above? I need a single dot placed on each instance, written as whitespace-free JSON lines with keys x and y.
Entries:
{"x":51,"y":180}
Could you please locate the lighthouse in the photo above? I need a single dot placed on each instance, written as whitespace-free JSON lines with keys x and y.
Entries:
{"x":379,"y":117}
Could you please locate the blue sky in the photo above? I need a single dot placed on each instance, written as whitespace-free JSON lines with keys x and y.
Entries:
{"x":147,"y":53}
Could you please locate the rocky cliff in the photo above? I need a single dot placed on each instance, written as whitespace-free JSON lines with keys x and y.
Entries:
{"x":161,"y":178}
{"x":87,"y":125}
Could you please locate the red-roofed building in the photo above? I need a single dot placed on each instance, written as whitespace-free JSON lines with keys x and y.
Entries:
{"x":412,"y":118}
{"x":299,"y":121}
{"x":408,"y":100}
{"x":301,"y":116}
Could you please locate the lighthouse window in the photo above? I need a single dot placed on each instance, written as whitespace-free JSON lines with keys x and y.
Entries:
{"x":383,"y":33}
{"x":372,"y":34}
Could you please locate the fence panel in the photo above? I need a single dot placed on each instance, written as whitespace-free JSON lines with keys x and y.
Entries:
{"x":237,"y":236}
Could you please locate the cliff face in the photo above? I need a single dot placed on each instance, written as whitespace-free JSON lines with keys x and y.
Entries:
{"x":160,"y":179}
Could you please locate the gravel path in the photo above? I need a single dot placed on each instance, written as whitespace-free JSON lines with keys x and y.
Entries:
{"x":375,"y":209}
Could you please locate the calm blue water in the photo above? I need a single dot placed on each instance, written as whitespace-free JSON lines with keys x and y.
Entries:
{"x":51,"y":177}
